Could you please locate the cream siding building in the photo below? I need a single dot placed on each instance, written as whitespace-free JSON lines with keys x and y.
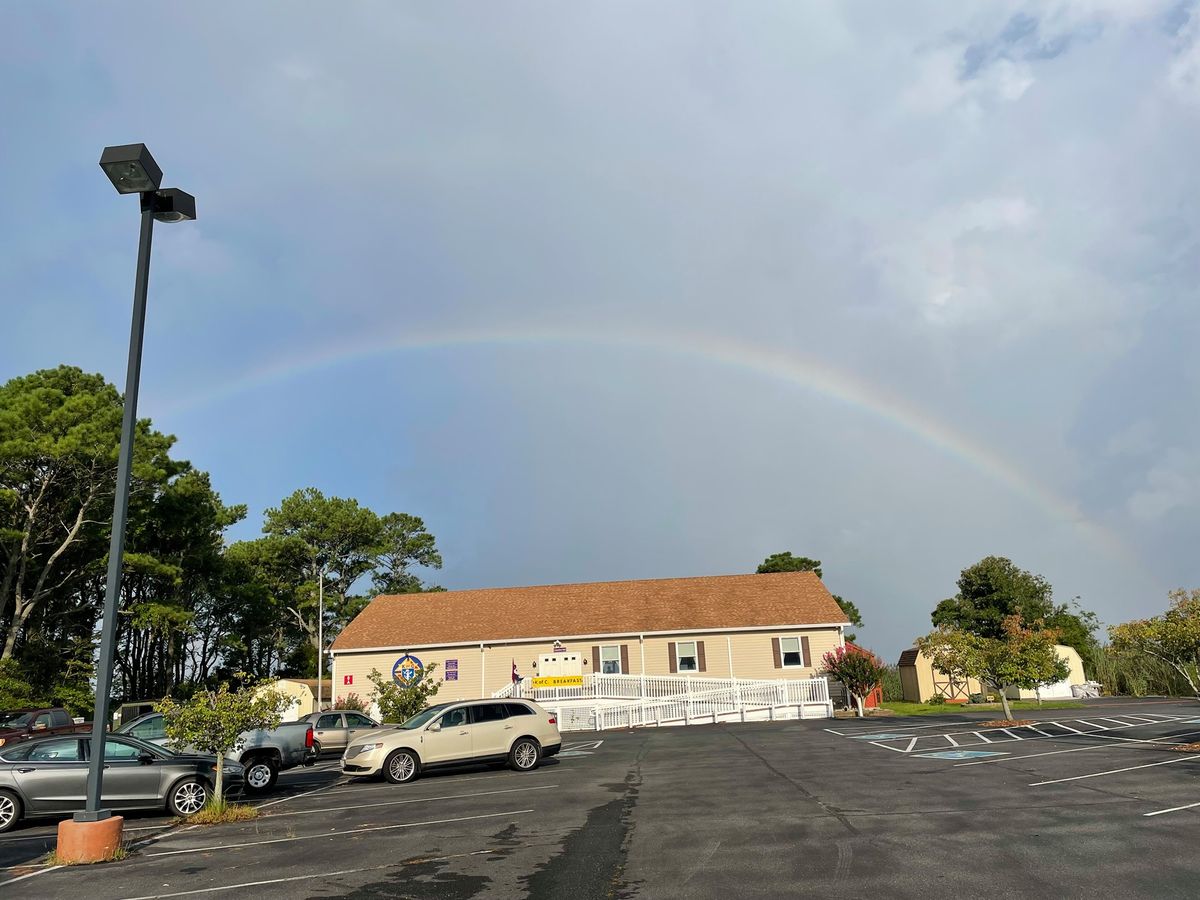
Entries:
{"x":775,"y":626}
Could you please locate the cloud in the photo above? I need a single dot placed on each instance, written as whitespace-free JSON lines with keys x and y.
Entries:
{"x":988,"y":211}
{"x":1172,"y":484}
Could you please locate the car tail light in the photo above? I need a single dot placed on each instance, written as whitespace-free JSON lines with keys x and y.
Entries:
{"x":553,"y":720}
{"x":308,"y":738}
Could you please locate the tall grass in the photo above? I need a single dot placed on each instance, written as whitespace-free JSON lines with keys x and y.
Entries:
{"x":1134,"y":674}
{"x":892,"y":689}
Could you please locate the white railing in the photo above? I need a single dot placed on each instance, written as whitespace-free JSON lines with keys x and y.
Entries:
{"x":681,"y":700}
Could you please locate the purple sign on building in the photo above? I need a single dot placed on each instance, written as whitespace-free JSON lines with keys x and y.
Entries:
{"x":452,"y":670}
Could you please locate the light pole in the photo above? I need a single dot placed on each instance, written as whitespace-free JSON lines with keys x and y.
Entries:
{"x":320,"y":632}
{"x":132,"y":170}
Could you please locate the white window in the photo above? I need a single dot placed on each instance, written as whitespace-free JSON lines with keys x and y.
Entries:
{"x":685,"y":655}
{"x":792,"y":654}
{"x":610,"y":660}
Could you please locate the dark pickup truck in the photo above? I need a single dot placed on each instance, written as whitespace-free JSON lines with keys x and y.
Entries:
{"x":20,"y":723}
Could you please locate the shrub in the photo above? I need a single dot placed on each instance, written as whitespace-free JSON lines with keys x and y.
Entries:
{"x":351,"y":701}
{"x":859,"y":670}
{"x":398,"y":702}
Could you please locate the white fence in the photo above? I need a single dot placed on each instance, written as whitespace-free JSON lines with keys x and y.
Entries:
{"x":677,"y":700}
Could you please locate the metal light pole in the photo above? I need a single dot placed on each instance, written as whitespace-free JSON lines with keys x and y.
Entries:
{"x":320,"y":632}
{"x":131,"y":169}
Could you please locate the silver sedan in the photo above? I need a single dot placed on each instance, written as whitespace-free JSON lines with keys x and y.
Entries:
{"x":48,"y":777}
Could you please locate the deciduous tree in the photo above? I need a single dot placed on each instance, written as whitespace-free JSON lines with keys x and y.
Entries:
{"x":1022,"y":656}
{"x":1173,"y":637}
{"x":995,"y":588}
{"x":859,"y":670}
{"x":213,"y":721}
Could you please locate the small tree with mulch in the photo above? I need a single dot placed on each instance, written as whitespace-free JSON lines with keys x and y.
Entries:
{"x":859,"y":670}
{"x":1024,"y":657}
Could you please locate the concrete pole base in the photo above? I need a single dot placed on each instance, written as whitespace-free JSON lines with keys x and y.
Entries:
{"x":89,"y":842}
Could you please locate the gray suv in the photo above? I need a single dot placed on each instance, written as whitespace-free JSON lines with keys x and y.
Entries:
{"x":335,"y":729}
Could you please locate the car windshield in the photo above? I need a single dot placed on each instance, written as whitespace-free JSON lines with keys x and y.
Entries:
{"x":15,"y":719}
{"x":423,"y":716}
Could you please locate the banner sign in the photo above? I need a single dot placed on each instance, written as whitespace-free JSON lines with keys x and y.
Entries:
{"x":553,"y":681}
{"x":452,"y":670}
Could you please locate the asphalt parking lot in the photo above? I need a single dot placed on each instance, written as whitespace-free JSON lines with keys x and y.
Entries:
{"x":1087,"y":802}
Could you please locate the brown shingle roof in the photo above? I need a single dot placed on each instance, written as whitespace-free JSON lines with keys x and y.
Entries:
{"x":607,"y":607}
{"x":909,"y":657}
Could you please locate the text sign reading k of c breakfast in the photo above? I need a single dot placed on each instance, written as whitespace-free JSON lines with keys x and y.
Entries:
{"x":551,"y":681}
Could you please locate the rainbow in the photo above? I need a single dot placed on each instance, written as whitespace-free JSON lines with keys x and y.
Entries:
{"x":806,"y":373}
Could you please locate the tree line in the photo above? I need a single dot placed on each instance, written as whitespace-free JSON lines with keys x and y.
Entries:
{"x":194,"y":608}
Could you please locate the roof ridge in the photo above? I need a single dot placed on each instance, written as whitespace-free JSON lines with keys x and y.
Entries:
{"x":580,"y":584}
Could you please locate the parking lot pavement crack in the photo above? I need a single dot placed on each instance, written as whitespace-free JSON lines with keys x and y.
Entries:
{"x":805,"y":792}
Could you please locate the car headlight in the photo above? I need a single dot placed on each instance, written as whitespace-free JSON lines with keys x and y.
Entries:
{"x":359,"y":749}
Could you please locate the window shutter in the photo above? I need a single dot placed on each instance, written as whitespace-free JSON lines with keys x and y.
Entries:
{"x":777,"y":654}
{"x":624,"y":659}
{"x":596,"y":670}
{"x":671,"y":658}
{"x":700,"y":656}
{"x":804,"y":650}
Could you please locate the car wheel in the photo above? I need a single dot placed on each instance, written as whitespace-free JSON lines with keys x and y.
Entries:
{"x":10,"y":810}
{"x":525,"y":755}
{"x":401,"y":766}
{"x":316,"y":748}
{"x":187,"y":797}
{"x":260,"y":775}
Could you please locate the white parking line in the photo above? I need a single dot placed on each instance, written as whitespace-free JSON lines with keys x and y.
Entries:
{"x":330,"y":834}
{"x":1009,"y":732}
{"x":329,"y":809}
{"x":1167,"y":739}
{"x":951,"y":740}
{"x":1165,"y":762}
{"x":1067,"y":728}
{"x":298,"y":796}
{"x":246,"y":884}
{"x":30,"y":875}
{"x":1159,"y":812}
{"x":985,"y":740}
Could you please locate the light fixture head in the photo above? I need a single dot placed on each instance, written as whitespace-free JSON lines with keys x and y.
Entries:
{"x":131,"y":168}
{"x":171,"y":205}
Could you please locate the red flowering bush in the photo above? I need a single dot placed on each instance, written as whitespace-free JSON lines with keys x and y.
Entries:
{"x":859,"y":670}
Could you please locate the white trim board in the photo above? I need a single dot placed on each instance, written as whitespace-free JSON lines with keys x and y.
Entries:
{"x":618,"y":635}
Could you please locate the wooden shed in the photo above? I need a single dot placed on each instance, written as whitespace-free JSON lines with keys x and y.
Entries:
{"x":921,"y":681}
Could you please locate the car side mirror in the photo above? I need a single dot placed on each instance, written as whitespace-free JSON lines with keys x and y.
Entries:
{"x":436,"y":726}
{"x":145,"y":758}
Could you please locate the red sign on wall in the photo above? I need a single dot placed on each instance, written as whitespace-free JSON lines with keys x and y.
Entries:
{"x":347,"y":679}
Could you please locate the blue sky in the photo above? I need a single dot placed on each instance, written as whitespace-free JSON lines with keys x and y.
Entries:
{"x":668,"y":287}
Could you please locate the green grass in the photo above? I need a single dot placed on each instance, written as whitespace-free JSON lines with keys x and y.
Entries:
{"x":219,"y":812}
{"x":902,"y":708}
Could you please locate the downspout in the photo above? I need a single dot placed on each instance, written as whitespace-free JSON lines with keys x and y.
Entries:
{"x":482,"y":672}
{"x":333,"y":679}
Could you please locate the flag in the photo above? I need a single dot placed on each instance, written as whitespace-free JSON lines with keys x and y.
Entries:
{"x":515,"y":676}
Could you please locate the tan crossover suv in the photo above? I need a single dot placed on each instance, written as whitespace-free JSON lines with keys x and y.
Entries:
{"x":518,"y":732}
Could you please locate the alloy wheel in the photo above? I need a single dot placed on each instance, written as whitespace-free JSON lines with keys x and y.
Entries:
{"x":526,"y":755}
{"x":402,"y":767}
{"x":190,"y":797}
{"x":8,"y":811}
